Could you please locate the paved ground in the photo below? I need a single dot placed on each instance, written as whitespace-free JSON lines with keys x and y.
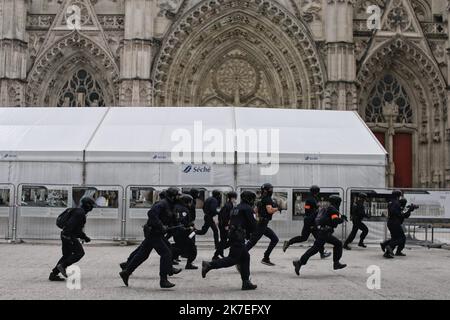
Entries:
{"x":423,"y":274}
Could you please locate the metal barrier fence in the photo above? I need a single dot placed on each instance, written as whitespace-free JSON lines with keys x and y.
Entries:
{"x":139,"y":199}
{"x":30,"y":210}
{"x":39,"y":205}
{"x":6,"y":210}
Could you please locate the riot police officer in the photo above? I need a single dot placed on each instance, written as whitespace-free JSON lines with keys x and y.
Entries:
{"x":160,"y":218}
{"x":326,"y":221}
{"x":309,"y":227}
{"x":184,"y":244}
{"x":123,"y":265}
{"x":194,"y":193}
{"x":358,"y":213}
{"x":396,"y":216}
{"x":211,"y":208}
{"x":266,"y":208}
{"x":72,"y":249}
{"x":224,"y":221}
{"x":242,"y":222}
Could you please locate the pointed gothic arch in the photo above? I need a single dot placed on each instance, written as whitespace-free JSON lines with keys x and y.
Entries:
{"x":424,"y":86}
{"x":54,"y":66}
{"x":269,"y":43}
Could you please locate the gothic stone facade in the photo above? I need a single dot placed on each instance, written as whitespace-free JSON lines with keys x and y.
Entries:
{"x":314,"y":54}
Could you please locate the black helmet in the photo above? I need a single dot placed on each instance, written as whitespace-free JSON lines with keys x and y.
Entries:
{"x":172,"y":194}
{"x":267,"y":188}
{"x":216,"y":194}
{"x":162,"y":195}
{"x":248,"y":197}
{"x":335,"y":201}
{"x":87,"y":204}
{"x":231,"y":195}
{"x":186,"y":199}
{"x":397,"y":193}
{"x":195,"y":193}
{"x":314,"y":189}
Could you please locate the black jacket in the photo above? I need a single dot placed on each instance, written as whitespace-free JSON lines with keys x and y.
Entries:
{"x":396,"y":214}
{"x":332,"y":218}
{"x":242,"y":223}
{"x":75,"y":225}
{"x":262,"y":211}
{"x":358,"y":212}
{"x":224,"y":214}
{"x":161,"y":214}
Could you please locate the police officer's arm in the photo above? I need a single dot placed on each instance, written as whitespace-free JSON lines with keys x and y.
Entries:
{"x":250,"y":220}
{"x":336,"y":218}
{"x":396,"y":210}
{"x":269,"y":206}
{"x":154,"y":217}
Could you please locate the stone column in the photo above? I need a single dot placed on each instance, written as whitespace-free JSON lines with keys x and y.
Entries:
{"x":13,"y":52}
{"x":136,"y":59}
{"x":341,"y":64}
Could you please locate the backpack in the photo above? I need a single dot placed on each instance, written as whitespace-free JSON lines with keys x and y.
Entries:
{"x":63,"y":218}
{"x":321,"y":217}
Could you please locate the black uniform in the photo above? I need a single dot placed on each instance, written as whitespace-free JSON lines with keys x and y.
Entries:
{"x":224,"y":222}
{"x":358,"y":213}
{"x":325,"y":235}
{"x":72,"y":249}
{"x":394,"y":224}
{"x":184,"y":245}
{"x":242,"y":222}
{"x":262,"y":227}
{"x":160,"y":216}
{"x":309,"y":227}
{"x":211,"y":209}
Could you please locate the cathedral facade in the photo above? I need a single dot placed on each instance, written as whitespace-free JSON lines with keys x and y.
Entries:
{"x":385,"y":59}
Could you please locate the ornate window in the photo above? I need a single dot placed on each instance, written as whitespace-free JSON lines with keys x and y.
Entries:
{"x":387,"y":91}
{"x":82,"y":90}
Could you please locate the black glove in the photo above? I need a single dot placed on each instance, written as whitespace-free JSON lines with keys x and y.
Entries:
{"x":87,"y":239}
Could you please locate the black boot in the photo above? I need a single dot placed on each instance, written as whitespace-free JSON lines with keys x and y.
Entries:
{"x":338,"y":265}
{"x":206,"y":267}
{"x":362,"y":245}
{"x":175,"y":271}
{"x":325,"y":255}
{"x":388,"y":255}
{"x":383,"y":246}
{"x":400,"y":254}
{"x":123,"y":266}
{"x":125,"y":276}
{"x":175,"y":262}
{"x":165,"y":284}
{"x":346,"y":247}
{"x":55,"y":277}
{"x":267,"y":262}
{"x":190,"y":266}
{"x":297,"y":265}
{"x":62,"y":269}
{"x":247,"y":285}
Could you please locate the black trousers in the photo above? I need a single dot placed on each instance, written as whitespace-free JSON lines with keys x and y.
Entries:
{"x":223,"y":232}
{"x":184,"y":246}
{"x":238,"y":255}
{"x":308,"y":229}
{"x":357,"y":225}
{"x":262,"y":228}
{"x":162,"y":247}
{"x":398,"y":238}
{"x":209,"y":223}
{"x":322,"y":238}
{"x":72,"y":252}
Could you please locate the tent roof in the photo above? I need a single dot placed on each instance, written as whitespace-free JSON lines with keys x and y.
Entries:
{"x":150,"y":134}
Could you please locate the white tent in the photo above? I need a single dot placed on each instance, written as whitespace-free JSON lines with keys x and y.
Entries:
{"x":134,"y":147}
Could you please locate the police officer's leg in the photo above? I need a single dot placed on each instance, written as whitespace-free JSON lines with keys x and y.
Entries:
{"x":77,"y":253}
{"x":131,"y":256}
{"x":244,"y":264}
{"x":364,"y":232}
{"x":66,"y":248}
{"x":273,"y":241}
{"x":229,"y":261}
{"x":396,"y":235}
{"x":255,"y":236}
{"x":318,"y":243}
{"x":322,"y":248}
{"x":215,"y":233}
{"x":337,"y":247}
{"x":205,"y":226}
{"x":306,"y":231}
{"x":191,"y":251}
{"x":352,"y":234}
{"x":163,"y":250}
{"x":402,"y":241}
{"x":141,"y":255}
